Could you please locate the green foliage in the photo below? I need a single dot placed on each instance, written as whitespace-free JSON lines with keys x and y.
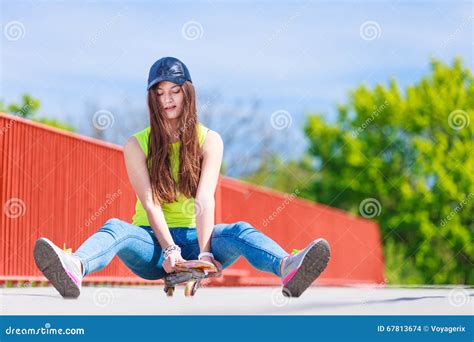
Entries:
{"x":55,"y":123}
{"x":399,"y":269}
{"x":413,"y":153}
{"x":410,"y":152}
{"x":28,"y":108}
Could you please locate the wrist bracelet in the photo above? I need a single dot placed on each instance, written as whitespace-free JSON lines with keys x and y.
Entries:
{"x":171,"y":249}
{"x":206,"y":254}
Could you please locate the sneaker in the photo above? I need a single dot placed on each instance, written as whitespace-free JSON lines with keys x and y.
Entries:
{"x":300,"y":270}
{"x":62,"y":269}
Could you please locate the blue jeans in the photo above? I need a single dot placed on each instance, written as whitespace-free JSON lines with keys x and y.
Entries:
{"x":140,"y":251}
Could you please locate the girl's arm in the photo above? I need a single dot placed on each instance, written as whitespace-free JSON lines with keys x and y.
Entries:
{"x":135,"y":162}
{"x":213,"y":149}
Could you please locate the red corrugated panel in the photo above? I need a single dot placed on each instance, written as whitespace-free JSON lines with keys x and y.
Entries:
{"x":56,"y":181}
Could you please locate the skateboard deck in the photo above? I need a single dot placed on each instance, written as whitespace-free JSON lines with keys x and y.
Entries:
{"x":201,"y":265}
{"x":190,"y":272}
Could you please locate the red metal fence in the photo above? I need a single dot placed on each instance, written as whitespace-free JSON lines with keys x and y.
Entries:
{"x":65,"y":186}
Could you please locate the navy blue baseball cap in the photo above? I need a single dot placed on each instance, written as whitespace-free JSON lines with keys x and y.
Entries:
{"x":168,"y":69}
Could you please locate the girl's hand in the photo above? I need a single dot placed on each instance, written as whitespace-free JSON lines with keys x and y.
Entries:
{"x":171,"y":260}
{"x":216,"y":263}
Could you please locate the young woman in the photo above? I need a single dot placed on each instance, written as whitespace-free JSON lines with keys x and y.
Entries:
{"x":173,"y":166}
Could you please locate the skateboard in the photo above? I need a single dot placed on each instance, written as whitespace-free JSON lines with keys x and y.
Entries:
{"x":191,"y":272}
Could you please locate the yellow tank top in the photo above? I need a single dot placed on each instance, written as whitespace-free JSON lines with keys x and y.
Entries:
{"x":182,"y":212}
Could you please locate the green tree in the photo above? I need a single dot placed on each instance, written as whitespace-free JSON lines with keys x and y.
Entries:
{"x":55,"y":123}
{"x":28,"y":109}
{"x":406,"y":160}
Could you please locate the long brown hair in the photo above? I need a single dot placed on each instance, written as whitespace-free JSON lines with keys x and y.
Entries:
{"x":163,"y":185}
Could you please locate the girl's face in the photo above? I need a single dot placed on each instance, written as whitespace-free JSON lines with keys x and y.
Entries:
{"x":171,"y":98}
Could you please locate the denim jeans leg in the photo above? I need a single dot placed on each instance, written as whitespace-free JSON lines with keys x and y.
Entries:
{"x":136,"y":246}
{"x":230,"y":241}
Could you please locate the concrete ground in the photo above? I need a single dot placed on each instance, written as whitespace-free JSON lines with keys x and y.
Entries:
{"x":151,"y":300}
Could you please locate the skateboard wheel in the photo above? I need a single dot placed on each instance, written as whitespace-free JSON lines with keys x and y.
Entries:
{"x":190,"y":289}
{"x":170,"y":291}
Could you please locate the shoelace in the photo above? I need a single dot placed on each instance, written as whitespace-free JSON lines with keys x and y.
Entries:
{"x":67,"y":250}
{"x":293,"y":252}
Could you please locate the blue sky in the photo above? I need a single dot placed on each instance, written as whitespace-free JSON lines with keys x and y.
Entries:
{"x":295,"y":56}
